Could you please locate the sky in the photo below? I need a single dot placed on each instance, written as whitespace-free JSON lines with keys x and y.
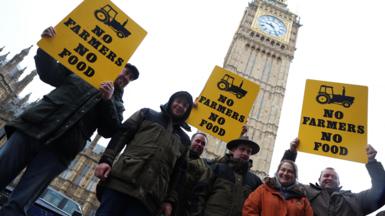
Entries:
{"x":339,"y":41}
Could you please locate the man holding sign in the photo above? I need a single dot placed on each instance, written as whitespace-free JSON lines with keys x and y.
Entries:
{"x":327,"y":198}
{"x":49,"y":134}
{"x":145,"y":178}
{"x":225,"y":191}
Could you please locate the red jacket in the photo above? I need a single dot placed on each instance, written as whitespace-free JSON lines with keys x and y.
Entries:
{"x":266,"y":200}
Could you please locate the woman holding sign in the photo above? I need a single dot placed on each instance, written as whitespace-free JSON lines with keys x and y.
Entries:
{"x":327,"y":196}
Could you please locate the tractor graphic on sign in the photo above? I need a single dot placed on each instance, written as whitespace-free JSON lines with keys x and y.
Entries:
{"x":326,"y":95}
{"x":227,"y":84}
{"x":107,"y":15}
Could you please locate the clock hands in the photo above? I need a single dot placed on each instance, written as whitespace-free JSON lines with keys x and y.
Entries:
{"x":272,"y":25}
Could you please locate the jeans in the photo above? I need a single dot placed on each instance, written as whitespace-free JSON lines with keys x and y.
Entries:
{"x":42,"y":166}
{"x":116,"y":203}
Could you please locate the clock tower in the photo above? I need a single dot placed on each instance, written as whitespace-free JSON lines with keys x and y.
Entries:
{"x":262,"y":50}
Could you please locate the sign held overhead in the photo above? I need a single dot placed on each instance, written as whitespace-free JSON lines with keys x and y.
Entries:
{"x":224,"y":104}
{"x":334,"y":120}
{"x":94,"y":41}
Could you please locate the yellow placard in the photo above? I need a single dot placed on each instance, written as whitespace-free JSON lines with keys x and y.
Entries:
{"x":94,"y":41}
{"x":334,"y":120}
{"x":224,"y":104}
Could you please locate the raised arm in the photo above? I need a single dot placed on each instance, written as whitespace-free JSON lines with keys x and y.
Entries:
{"x":373,"y":198}
{"x":291,"y":154}
{"x":48,"y":69}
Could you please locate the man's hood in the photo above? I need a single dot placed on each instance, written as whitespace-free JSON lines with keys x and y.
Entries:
{"x":181,"y":120}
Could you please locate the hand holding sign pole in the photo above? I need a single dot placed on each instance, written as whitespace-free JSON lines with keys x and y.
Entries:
{"x":94,"y":41}
{"x":334,"y":120}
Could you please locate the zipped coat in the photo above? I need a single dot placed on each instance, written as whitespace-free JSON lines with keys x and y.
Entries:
{"x":224,"y":193}
{"x":154,"y":159}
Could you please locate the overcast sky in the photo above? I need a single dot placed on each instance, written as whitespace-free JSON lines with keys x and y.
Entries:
{"x":340,"y":41}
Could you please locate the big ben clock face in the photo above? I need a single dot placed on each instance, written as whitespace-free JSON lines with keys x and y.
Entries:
{"x":272,"y":25}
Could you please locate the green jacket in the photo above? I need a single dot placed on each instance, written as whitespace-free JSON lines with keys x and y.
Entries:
{"x":150,"y":167}
{"x":198,"y":171}
{"x":226,"y":190}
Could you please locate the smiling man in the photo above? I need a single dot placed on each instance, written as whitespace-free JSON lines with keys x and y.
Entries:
{"x":327,"y":197}
{"x":143,"y":180}
{"x":57,"y":127}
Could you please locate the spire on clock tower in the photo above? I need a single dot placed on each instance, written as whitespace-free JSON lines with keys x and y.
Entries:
{"x":280,"y":3}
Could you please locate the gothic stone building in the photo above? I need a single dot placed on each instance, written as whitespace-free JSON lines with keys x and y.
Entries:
{"x":261,"y":50}
{"x":77,"y":181}
{"x":11,"y":86}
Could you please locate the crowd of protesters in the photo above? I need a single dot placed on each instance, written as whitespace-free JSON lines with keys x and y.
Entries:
{"x":151,"y":166}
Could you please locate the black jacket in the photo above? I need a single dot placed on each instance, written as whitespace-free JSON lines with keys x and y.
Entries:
{"x":74,"y":108}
